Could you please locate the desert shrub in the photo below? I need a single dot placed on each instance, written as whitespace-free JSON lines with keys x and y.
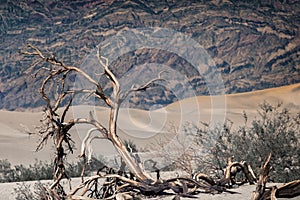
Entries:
{"x":37,"y":171}
{"x":7,"y":174}
{"x":212,"y":147}
{"x":180,"y":157}
{"x":274,"y":130}
{"x":183,"y":154}
{"x":42,"y":170}
{"x":23,"y":191}
{"x":32,"y":191}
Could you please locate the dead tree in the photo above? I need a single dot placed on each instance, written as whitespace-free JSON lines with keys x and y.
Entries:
{"x":55,"y":125}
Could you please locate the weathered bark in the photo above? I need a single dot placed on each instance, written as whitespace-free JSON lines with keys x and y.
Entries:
{"x":118,"y":98}
{"x":205,"y":177}
{"x":233,"y":168}
{"x":248,"y":172}
{"x":288,"y":190}
{"x":60,"y":128}
{"x":263,"y":178}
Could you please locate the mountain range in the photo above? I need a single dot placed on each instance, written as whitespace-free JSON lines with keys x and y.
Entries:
{"x":254,"y":45}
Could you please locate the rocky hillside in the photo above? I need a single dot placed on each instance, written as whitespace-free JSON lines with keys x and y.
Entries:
{"x":255,"y":45}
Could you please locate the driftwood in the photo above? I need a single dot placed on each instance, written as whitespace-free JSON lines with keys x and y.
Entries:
{"x":262,"y":181}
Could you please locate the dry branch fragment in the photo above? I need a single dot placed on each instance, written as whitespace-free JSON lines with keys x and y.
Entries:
{"x":263,"y":177}
{"x":289,"y":190}
{"x":205,"y":177}
{"x":233,"y":168}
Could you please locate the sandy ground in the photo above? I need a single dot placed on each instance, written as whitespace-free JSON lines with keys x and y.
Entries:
{"x":242,"y":192}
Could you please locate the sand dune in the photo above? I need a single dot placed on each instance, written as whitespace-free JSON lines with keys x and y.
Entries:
{"x":143,"y":127}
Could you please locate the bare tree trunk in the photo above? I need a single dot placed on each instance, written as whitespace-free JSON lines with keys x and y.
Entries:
{"x":134,"y":168}
{"x":263,"y":178}
{"x":59,"y":126}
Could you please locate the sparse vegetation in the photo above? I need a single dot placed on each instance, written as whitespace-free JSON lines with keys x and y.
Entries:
{"x":24,"y":192}
{"x":275,"y":130}
{"x":184,"y":154}
{"x":117,"y":184}
{"x":41,"y":170}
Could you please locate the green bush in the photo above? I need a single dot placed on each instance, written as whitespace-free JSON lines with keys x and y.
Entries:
{"x":275,"y":130}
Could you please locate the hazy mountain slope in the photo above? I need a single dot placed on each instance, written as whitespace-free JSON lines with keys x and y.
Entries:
{"x":255,"y":45}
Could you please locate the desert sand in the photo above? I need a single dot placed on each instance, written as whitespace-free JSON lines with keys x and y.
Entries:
{"x":143,"y":127}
